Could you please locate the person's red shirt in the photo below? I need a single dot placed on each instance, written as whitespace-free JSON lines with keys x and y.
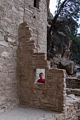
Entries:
{"x":41,"y":80}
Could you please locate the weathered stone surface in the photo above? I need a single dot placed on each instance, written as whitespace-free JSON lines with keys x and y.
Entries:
{"x":11,"y":15}
{"x":67,"y":65}
{"x":63,"y":63}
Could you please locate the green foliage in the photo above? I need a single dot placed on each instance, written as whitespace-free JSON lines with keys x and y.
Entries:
{"x":75,"y":49}
{"x":71,"y":9}
{"x":64,"y":29}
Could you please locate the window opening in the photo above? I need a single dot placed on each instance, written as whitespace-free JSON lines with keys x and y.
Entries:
{"x":36,"y":3}
{"x":40,"y":76}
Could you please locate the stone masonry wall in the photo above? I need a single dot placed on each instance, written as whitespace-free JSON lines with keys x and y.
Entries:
{"x":73,"y":82}
{"x":49,"y":95}
{"x":12,"y":13}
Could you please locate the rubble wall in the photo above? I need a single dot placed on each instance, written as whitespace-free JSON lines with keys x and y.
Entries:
{"x":49,"y":95}
{"x":73,"y":82}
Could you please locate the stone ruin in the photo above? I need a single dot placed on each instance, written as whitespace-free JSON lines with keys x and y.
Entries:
{"x":23,"y":50}
{"x":49,"y":95}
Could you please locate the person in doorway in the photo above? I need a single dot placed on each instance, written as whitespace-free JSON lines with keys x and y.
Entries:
{"x":41,"y":78}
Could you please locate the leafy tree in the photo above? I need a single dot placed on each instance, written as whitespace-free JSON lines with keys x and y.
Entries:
{"x":63,"y":27}
{"x":75,"y":49}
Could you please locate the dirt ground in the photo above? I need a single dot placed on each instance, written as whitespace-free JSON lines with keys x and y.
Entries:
{"x":26,"y":114}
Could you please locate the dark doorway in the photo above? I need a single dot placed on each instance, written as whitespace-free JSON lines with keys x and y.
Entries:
{"x":36,"y":3}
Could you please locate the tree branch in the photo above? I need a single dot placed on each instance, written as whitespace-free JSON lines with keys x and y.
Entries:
{"x":56,"y":16}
